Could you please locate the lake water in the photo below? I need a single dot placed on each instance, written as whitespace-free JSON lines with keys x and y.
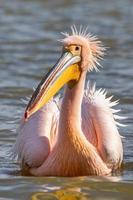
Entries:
{"x":29,"y":31}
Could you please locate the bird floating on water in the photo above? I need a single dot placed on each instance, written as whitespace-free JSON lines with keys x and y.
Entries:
{"x":75,"y":135}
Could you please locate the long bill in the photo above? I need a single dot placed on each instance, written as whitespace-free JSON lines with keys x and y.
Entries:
{"x":65,"y":70}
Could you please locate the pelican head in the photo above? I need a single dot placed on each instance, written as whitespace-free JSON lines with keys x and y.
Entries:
{"x":81,"y":52}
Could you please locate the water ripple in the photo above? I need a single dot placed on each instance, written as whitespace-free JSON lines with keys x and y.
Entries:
{"x":28,"y":48}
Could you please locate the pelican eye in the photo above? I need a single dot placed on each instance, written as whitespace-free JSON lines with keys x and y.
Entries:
{"x":75,"y":49}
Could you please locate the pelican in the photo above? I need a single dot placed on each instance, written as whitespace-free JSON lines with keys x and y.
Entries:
{"x":75,"y":135}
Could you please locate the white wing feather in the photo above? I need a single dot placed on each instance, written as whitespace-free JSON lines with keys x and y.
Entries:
{"x":36,"y":136}
{"x":100,"y":126}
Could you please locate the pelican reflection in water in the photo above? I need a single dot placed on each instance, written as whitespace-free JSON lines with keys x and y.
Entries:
{"x":76,"y":135}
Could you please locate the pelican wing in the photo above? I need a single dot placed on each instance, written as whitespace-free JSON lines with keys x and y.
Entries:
{"x":100,"y":127}
{"x":36,"y":137}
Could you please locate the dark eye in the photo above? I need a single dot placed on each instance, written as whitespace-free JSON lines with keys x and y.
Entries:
{"x":76,"y":48}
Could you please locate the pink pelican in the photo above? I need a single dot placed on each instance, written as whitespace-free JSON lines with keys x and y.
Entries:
{"x":75,"y":135}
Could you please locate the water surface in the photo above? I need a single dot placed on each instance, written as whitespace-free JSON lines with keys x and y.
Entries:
{"x":29,"y":31}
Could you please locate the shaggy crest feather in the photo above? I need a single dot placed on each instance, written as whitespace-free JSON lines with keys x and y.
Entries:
{"x":96,"y":48}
